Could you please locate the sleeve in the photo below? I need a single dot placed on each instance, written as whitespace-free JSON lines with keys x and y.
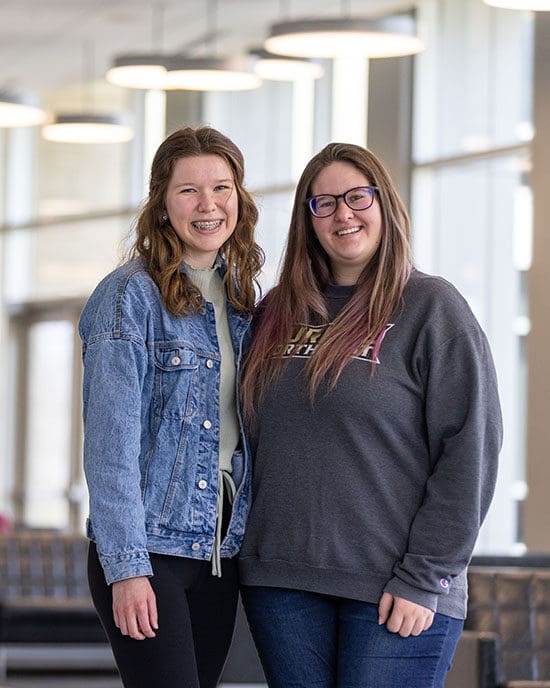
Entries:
{"x":464,"y":429}
{"x":115,"y":366}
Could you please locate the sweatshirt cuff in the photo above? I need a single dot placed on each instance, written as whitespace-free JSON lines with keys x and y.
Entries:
{"x":126,"y":565}
{"x":398,"y":588}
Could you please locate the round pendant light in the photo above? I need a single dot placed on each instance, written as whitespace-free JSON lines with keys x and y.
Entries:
{"x":87,"y":128}
{"x":390,"y":36}
{"x":284,"y":68}
{"x":211,"y":74}
{"x":539,"y":5}
{"x":138,"y":71}
{"x":18,"y":110}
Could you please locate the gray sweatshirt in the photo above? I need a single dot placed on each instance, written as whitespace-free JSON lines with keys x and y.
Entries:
{"x":381,"y":484}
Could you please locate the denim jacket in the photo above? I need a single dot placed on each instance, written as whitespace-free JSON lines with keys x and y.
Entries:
{"x":151,"y":426}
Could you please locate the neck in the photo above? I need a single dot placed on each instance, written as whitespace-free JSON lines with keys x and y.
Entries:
{"x":200,"y":265}
{"x":201,"y":260}
{"x":346,"y":277}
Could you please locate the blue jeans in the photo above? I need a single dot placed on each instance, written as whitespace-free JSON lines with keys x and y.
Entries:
{"x":308,"y":640}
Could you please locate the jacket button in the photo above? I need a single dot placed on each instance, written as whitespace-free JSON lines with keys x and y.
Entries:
{"x":209,"y":363}
{"x":195,"y":546}
{"x":207,"y":424}
{"x":176,"y":360}
{"x":202,"y":484}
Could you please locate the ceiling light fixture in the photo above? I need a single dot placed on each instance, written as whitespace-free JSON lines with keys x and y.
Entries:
{"x":87,"y":128}
{"x":145,"y":71}
{"x":536,"y":5}
{"x":211,"y":74}
{"x":284,"y":68}
{"x":390,"y":36}
{"x":138,"y":71}
{"x":87,"y":125}
{"x":18,"y":110}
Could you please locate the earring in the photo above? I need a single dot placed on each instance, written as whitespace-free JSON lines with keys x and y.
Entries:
{"x":164,"y":217}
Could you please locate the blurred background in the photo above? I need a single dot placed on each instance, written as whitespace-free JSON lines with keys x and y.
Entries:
{"x":463,"y":125}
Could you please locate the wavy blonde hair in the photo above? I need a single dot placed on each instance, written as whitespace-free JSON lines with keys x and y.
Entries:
{"x":306,"y":271}
{"x":163,"y":252}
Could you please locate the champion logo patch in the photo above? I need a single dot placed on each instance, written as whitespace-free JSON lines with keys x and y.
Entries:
{"x":444,"y":583}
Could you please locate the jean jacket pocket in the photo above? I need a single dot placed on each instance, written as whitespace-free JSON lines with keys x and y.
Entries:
{"x":175,"y":369}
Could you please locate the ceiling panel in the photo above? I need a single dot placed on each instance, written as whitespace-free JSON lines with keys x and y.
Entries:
{"x":49,"y":44}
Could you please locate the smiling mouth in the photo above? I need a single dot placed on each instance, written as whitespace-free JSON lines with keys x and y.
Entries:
{"x":207,"y":226}
{"x":351,"y":230}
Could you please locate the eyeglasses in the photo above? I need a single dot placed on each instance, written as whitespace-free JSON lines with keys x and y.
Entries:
{"x":359,"y":198}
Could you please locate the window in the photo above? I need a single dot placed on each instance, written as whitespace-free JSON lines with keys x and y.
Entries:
{"x":48,"y":489}
{"x":472,"y":208}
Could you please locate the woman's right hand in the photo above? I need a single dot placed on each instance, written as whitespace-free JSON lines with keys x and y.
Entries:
{"x":135,"y":608}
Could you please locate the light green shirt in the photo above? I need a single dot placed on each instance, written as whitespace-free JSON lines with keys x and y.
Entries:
{"x":210,"y":283}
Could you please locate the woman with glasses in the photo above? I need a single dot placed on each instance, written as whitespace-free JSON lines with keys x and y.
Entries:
{"x":372,"y":403}
{"x":166,"y":461}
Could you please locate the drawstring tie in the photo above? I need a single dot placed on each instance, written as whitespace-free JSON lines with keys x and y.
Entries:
{"x":225,"y":482}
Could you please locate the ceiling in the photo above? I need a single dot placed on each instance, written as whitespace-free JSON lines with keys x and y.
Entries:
{"x":47,"y":45}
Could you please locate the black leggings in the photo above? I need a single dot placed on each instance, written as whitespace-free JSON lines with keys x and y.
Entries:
{"x":196,"y":612}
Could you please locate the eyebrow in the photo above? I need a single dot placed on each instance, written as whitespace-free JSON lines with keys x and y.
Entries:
{"x":218,"y":181}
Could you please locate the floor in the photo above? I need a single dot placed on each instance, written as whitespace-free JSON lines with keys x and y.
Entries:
{"x":87,"y":681}
{"x":55,"y":681}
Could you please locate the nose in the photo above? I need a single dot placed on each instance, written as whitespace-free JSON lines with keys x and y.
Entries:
{"x":342,"y":209}
{"x":206,"y":202}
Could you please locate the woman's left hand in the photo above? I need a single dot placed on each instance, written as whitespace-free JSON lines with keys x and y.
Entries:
{"x":402,"y":616}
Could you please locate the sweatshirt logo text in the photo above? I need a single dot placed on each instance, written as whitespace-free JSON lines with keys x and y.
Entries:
{"x":307,"y":337}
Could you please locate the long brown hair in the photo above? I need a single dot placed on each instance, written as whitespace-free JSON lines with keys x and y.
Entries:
{"x":306,"y":271}
{"x":162,"y":250}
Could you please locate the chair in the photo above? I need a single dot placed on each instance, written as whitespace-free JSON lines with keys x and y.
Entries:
{"x":513,"y":603}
